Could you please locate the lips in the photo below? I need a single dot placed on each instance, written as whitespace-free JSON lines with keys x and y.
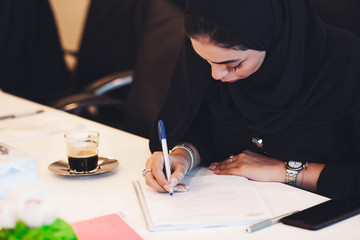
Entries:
{"x":231,"y":81}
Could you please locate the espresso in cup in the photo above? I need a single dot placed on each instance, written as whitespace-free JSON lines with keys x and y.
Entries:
{"x":86,"y":160}
{"x":82,"y":151}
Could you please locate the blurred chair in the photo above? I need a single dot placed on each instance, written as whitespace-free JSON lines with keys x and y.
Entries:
{"x":31,"y":59}
{"x":125,"y":62}
{"x":110,"y":39}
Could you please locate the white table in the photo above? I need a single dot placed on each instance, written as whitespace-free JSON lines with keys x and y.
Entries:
{"x":85,"y":197}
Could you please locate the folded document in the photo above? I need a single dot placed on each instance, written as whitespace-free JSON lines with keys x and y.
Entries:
{"x":15,"y":167}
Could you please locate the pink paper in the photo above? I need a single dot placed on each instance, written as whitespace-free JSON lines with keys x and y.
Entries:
{"x":108,"y":227}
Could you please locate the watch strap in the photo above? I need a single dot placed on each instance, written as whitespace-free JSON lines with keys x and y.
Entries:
{"x":291,"y":174}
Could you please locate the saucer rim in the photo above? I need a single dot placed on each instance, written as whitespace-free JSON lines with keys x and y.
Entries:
{"x":59,"y":170}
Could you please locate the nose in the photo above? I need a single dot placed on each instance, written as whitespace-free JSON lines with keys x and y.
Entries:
{"x":218,"y":71}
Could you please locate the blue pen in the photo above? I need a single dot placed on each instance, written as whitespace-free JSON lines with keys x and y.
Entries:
{"x":162,"y":138}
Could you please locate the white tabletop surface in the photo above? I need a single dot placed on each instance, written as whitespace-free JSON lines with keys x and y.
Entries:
{"x":85,"y":197}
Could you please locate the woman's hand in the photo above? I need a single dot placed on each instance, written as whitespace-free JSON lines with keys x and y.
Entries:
{"x":179,"y":167}
{"x":253,"y":166}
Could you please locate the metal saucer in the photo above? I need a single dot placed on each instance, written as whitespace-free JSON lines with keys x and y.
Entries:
{"x":61,"y":167}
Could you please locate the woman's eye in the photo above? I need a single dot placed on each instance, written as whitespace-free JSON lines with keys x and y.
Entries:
{"x":231,"y":69}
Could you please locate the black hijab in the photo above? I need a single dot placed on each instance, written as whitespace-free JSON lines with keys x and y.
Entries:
{"x":307,"y":77}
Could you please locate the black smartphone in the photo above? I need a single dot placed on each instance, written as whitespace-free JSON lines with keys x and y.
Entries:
{"x":323,"y":214}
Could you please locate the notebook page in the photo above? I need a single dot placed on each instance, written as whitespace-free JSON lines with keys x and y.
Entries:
{"x":212,"y":200}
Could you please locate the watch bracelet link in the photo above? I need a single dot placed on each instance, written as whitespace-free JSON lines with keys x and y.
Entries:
{"x":189,"y":150}
{"x":291,"y":175}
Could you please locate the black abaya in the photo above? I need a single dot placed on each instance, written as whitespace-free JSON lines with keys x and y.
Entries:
{"x":300,"y":101}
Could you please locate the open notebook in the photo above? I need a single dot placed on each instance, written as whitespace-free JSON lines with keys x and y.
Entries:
{"x":212,"y":200}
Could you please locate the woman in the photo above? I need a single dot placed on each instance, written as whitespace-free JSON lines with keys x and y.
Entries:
{"x":264,"y":90}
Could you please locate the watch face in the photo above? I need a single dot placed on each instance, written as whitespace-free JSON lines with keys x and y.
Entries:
{"x":294,"y":164}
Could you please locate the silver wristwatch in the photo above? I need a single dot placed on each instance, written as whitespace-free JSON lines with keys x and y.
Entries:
{"x":292,"y":170}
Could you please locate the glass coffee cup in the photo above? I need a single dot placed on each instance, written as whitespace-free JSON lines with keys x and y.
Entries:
{"x":82,"y":151}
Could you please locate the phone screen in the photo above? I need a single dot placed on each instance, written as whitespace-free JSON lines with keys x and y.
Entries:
{"x":323,"y":214}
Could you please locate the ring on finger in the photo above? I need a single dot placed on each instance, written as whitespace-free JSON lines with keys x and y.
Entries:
{"x":145,"y":171}
{"x":231,"y":158}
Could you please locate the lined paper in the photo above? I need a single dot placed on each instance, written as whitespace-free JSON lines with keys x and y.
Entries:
{"x":212,"y":200}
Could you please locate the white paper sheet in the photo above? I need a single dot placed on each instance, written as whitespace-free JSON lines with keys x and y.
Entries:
{"x":212,"y":200}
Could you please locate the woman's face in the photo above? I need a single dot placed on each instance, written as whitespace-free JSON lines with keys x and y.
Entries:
{"x":228,"y":65}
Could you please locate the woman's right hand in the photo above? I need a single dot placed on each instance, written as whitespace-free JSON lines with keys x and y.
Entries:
{"x":179,"y":162}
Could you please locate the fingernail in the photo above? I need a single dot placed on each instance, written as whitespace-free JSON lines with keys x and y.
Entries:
{"x":216,"y":171}
{"x":167,"y":188}
{"x":212,"y":167}
{"x":174,"y":182}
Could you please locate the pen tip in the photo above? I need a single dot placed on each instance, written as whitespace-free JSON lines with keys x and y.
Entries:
{"x":171,"y":191}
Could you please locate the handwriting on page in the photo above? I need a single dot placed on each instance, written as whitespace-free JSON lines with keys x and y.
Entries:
{"x":210,"y":199}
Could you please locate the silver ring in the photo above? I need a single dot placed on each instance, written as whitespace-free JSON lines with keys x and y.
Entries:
{"x":231,"y":158}
{"x":145,"y":171}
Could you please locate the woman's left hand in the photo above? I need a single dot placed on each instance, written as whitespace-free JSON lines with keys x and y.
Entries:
{"x":253,"y":166}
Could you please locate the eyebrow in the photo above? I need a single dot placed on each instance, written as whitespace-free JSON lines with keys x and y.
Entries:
{"x":227,"y":62}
